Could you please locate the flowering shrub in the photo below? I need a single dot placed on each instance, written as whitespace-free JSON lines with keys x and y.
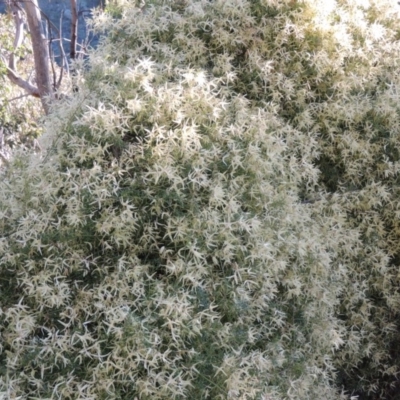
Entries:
{"x":214,"y":213}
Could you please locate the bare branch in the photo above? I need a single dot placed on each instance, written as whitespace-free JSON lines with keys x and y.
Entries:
{"x":51,"y":55}
{"x":19,"y":32}
{"x":22,"y":83}
{"x":3,"y":156}
{"x":40,"y":51}
{"x":19,"y":37}
{"x":74,"y":29}
{"x":18,"y":97}
{"x":63,"y":56}
{"x":64,"y":64}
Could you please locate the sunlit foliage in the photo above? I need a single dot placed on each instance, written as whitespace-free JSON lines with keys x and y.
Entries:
{"x":214,"y":213}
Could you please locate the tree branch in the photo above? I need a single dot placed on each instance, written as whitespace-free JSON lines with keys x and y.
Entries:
{"x":22,"y":83}
{"x":64,"y":64}
{"x":74,"y":29}
{"x":19,"y":32}
{"x":40,"y":52}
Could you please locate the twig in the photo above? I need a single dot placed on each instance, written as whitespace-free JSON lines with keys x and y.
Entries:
{"x":17,"y":98}
{"x":74,"y":29}
{"x":51,"y":54}
{"x":64,"y":63}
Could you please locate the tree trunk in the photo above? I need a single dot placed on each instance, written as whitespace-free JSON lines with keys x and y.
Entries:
{"x":40,"y":52}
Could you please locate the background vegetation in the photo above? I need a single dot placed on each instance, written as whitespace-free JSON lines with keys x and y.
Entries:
{"x":214,"y":213}
{"x":19,"y":113}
